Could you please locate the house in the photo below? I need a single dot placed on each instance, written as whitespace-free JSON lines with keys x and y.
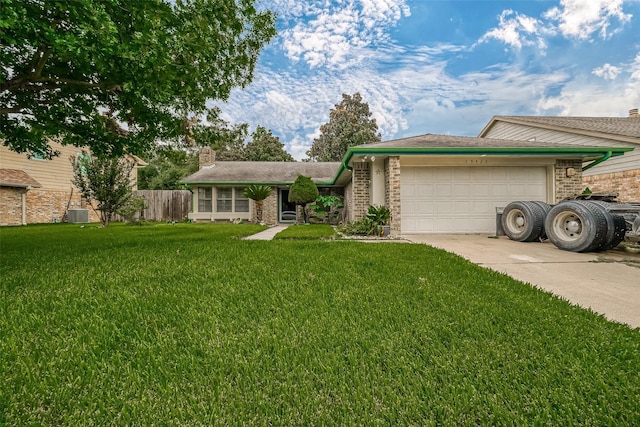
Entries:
{"x":430,"y":183}
{"x":620,"y":175}
{"x":36,"y":190}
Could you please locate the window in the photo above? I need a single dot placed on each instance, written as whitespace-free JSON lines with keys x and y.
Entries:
{"x":204,"y":199}
{"x":241,"y":203}
{"x":224,"y":199}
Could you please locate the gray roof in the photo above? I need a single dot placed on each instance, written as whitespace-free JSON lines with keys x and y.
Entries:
{"x":620,"y":126}
{"x":263,"y":172}
{"x":17,"y":178}
{"x":449,"y":141}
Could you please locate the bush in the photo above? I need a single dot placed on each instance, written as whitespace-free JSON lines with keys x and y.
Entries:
{"x":133,"y":206}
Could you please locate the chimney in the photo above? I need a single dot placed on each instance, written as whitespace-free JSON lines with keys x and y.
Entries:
{"x":206,"y":157}
{"x":634,"y":113}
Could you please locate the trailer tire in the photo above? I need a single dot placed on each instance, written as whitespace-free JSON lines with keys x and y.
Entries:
{"x":546,"y":207}
{"x":576,"y":226}
{"x":616,"y":226}
{"x":523,"y":221}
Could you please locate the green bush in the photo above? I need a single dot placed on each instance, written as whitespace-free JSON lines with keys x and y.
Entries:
{"x":134,"y":205}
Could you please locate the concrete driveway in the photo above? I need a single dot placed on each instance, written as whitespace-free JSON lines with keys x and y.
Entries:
{"x":608,"y":282}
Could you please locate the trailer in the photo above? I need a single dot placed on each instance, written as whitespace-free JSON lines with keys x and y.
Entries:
{"x":585,"y":223}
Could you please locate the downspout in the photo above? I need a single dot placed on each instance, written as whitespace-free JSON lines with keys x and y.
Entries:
{"x":604,"y":158}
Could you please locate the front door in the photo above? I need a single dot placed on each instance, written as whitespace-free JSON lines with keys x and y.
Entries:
{"x":287,"y":210}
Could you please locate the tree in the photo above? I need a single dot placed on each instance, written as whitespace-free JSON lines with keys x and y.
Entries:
{"x":265,"y":147}
{"x":302,"y":192}
{"x":166,"y":167}
{"x":118,"y":75}
{"x":258,"y":193}
{"x":350,"y":124}
{"x":104,"y":180}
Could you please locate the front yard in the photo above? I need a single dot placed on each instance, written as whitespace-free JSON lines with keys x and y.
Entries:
{"x":187,"y":324}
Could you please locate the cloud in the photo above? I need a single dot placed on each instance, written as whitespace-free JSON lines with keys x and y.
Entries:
{"x":581,"y":18}
{"x":517,"y":30}
{"x":334,"y":34}
{"x":607,"y":72}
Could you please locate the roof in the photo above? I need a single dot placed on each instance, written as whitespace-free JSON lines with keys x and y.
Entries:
{"x":17,"y":178}
{"x":262,"y":172}
{"x":617,"y":128}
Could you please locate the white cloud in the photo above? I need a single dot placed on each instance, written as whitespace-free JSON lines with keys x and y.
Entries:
{"x":517,"y":30}
{"x":334,"y":34}
{"x":582,"y":18}
{"x":607,"y":72}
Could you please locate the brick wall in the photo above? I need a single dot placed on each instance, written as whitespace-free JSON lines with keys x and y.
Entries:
{"x":626,"y":184}
{"x":392,"y":191}
{"x":361,"y":189}
{"x":48,"y":206}
{"x":567,"y":186}
{"x":269,"y":209}
{"x":11,"y":206}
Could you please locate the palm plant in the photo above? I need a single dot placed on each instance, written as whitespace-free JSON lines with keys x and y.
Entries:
{"x":258,"y":193}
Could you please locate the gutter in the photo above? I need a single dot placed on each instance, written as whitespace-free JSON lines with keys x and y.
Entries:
{"x":604,"y":158}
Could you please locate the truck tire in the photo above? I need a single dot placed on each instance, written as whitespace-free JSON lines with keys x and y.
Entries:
{"x":576,"y":226}
{"x":523,"y":221}
{"x":616,"y":226}
{"x":546,"y":207}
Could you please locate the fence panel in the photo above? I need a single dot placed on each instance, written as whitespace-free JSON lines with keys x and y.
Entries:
{"x":165,"y":205}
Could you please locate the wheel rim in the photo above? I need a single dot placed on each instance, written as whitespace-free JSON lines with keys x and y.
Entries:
{"x":568,"y":226}
{"x":515,"y":221}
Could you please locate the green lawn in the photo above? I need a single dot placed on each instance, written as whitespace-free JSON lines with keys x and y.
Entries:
{"x":187,"y":324}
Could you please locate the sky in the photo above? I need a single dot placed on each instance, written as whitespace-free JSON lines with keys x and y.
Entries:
{"x":441,"y":66}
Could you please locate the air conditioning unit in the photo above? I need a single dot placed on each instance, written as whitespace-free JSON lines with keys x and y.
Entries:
{"x":76,"y":216}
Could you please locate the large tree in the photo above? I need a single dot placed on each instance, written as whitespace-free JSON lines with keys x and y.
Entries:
{"x":266,"y":147}
{"x":167,"y":165}
{"x":350,"y":124}
{"x":117,"y":75}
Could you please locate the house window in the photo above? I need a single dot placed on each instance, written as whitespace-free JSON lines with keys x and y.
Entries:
{"x":204,"y":199}
{"x":241,"y":202}
{"x":224,"y":199}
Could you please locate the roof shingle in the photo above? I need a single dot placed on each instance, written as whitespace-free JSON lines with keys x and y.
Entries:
{"x":17,"y":178}
{"x":263,"y":172}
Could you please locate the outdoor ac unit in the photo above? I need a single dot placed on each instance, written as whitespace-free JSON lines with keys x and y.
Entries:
{"x":76,"y":216}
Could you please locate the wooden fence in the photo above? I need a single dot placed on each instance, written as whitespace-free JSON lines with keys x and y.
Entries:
{"x":165,"y":205}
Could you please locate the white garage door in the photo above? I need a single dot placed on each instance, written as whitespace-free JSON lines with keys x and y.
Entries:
{"x":464,"y":199}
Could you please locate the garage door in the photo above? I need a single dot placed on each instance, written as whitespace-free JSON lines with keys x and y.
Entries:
{"x":464,"y":199}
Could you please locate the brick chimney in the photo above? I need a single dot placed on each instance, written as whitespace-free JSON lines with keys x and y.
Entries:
{"x":206,"y":157}
{"x":634,"y":113}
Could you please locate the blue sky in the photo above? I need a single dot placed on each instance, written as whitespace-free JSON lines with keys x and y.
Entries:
{"x":446,"y":66}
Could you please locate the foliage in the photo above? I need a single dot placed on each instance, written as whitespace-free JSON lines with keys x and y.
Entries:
{"x":302,"y":192}
{"x":228,"y":140}
{"x":379,"y":215}
{"x":188,"y":325}
{"x":133,"y":206}
{"x":307,"y":232}
{"x":328,"y":207}
{"x":115,"y":76}
{"x":362,"y":227}
{"x":258,"y":193}
{"x":371,"y":223}
{"x":350,"y":124}
{"x":104,"y":180}
{"x":166,"y":167}
{"x":265,"y":147}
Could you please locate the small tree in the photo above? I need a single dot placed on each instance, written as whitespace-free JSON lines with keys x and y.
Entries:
{"x":104,"y":180}
{"x":258,"y":193}
{"x":302,"y":192}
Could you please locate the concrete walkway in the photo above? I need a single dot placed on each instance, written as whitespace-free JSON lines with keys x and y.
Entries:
{"x":607,"y":282}
{"x":268,"y":233}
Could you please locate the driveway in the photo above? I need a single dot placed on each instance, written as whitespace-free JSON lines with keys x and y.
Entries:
{"x":608,"y":283}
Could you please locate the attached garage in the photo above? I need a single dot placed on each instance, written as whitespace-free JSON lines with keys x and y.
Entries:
{"x":464,"y":199}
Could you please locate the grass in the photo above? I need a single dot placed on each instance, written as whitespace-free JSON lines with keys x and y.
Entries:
{"x":307,"y":232}
{"x":187,"y":324}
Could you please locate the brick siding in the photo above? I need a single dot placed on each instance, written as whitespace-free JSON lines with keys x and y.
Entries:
{"x":49,"y":206}
{"x":626,"y":184}
{"x":392,"y":191}
{"x":11,"y":206}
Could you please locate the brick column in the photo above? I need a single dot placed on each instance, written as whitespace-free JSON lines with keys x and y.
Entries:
{"x":392,"y":191}
{"x":568,"y":185}
{"x":361,"y":189}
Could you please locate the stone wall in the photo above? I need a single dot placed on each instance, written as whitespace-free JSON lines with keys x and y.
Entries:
{"x":566,"y":185}
{"x":269,"y":209}
{"x":361,"y":189}
{"x":11,"y":205}
{"x":626,"y":184}
{"x":392,"y":191}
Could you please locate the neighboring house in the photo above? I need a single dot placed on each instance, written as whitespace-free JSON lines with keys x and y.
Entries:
{"x":430,"y":183}
{"x":620,"y":175}
{"x":34,"y":190}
